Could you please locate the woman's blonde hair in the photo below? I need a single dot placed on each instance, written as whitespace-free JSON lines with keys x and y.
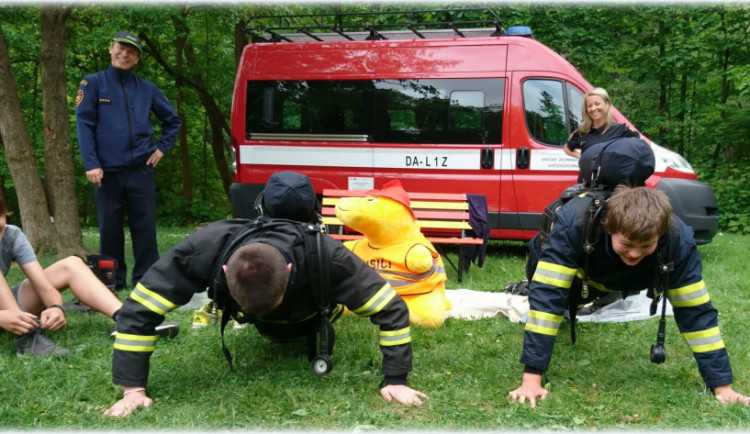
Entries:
{"x":587,"y":123}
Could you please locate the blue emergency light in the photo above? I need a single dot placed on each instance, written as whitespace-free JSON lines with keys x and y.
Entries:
{"x":520,"y":31}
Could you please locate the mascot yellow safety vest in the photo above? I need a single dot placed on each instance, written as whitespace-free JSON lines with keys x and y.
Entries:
{"x":394,"y":269}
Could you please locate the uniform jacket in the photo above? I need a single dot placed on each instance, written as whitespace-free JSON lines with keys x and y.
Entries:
{"x":560,"y":263}
{"x":188,"y":269}
{"x":113,"y":120}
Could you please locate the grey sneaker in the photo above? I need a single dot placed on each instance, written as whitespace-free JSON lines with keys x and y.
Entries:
{"x":165,"y":330}
{"x":38,"y":344}
{"x":599,"y":302}
{"x":75,"y":305}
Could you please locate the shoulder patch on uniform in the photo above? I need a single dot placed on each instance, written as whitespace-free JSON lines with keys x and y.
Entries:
{"x":84,"y":83}
{"x":79,"y":97}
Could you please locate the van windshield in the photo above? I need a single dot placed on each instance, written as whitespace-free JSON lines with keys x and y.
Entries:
{"x":451,"y":111}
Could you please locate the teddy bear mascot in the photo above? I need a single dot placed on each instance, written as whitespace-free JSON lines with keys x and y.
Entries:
{"x":395,"y":248}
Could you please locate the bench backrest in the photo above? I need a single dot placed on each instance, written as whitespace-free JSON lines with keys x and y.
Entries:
{"x":443,"y":217}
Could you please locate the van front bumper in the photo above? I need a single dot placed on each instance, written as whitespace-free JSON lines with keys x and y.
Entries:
{"x":695,"y":204}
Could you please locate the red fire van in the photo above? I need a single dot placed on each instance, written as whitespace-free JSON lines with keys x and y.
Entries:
{"x":480,"y":111}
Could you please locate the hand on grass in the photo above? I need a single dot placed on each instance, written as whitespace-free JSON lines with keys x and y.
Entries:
{"x":531,"y":389}
{"x":727,"y":395}
{"x":404,"y":395}
{"x":128,"y":404}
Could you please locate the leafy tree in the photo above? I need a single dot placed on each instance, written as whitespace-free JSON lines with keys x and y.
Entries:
{"x":50,"y":220}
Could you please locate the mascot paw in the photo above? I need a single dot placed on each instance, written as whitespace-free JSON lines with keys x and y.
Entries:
{"x":427,"y":310}
{"x":419,"y":259}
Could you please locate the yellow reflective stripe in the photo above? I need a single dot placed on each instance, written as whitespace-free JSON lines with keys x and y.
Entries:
{"x":543,"y":323}
{"x":553,"y":274}
{"x":377,"y":302}
{"x":689,"y":296}
{"x":395,"y":337}
{"x":136,"y":343}
{"x":151,"y":300}
{"x":703,"y":341}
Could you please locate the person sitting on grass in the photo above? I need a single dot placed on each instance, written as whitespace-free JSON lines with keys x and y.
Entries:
{"x":263,"y":270}
{"x":637,"y":230}
{"x":36,"y":305}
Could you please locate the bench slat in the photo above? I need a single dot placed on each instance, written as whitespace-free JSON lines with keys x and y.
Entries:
{"x":434,"y":240}
{"x":427,"y":224}
{"x":415,"y":204}
{"x":421,"y":214}
{"x":419,"y":196}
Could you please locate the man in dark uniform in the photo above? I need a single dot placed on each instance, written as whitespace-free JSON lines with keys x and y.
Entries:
{"x":637,"y":228}
{"x":268,"y":275}
{"x":119,"y":153}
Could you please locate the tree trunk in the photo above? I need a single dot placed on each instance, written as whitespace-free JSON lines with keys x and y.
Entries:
{"x":239,"y":41}
{"x":724,"y":91}
{"x":58,"y":155}
{"x":662,"y":81}
{"x":19,"y":153}
{"x":219,"y":126}
{"x":187,"y":187}
{"x":681,"y":115}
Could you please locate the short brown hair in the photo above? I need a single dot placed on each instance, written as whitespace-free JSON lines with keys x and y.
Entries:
{"x":4,"y":207}
{"x":638,"y":213}
{"x":257,"y":277}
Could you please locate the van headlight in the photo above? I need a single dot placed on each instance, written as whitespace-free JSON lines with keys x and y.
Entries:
{"x":666,"y":158}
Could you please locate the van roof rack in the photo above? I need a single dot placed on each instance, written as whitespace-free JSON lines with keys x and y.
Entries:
{"x":361,"y":26}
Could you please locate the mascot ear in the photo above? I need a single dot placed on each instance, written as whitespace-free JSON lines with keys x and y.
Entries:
{"x":289,"y":267}
{"x":224,"y":268}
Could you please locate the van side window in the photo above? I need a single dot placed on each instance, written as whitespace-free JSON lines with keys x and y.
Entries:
{"x":453,"y":111}
{"x":545,"y":104}
{"x":575,"y":102}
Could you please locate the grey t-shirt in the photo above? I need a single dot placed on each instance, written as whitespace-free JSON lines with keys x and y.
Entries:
{"x":14,"y":246}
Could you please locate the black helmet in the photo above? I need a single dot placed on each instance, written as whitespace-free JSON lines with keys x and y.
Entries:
{"x":288,"y":195}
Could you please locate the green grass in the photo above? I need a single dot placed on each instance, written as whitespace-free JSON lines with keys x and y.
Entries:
{"x":604,"y":382}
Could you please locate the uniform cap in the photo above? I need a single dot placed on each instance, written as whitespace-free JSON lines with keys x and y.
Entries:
{"x":394,"y":190}
{"x":129,"y":38}
{"x":289,"y":195}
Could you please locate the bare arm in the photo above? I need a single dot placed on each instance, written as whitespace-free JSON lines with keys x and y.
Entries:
{"x":51,"y":318}
{"x":570,"y":152}
{"x":12,"y":318}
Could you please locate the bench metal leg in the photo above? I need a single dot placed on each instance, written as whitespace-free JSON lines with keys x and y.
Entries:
{"x":446,"y":258}
{"x":460,"y":263}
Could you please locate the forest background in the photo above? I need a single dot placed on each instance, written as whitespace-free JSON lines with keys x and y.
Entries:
{"x":679,"y":72}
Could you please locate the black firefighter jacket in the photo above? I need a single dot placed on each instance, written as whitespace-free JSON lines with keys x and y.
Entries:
{"x":188,"y":268}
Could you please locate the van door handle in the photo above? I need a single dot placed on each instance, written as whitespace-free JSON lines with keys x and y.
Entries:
{"x":522,"y":158}
{"x":487,"y":158}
